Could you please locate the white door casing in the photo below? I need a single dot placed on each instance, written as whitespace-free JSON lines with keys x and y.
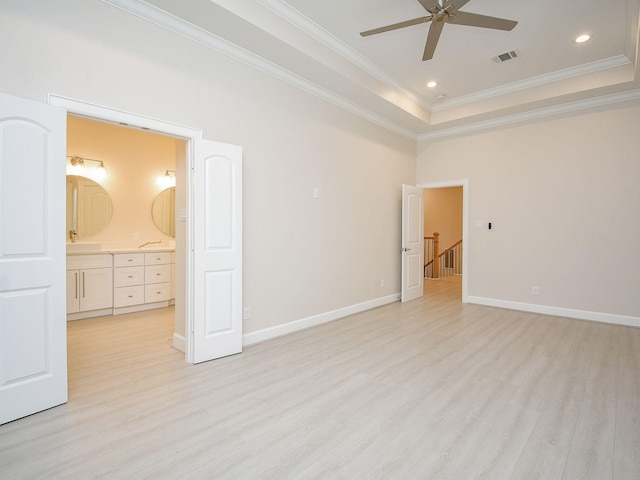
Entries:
{"x":217,"y":252}
{"x":33,"y":347}
{"x":412,"y":242}
{"x":200,"y":343}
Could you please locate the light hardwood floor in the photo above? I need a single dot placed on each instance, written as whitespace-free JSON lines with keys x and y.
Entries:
{"x":431,"y":389}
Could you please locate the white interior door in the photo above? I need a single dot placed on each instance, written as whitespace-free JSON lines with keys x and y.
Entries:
{"x":33,"y":346}
{"x":412,"y":242}
{"x":217,"y":252}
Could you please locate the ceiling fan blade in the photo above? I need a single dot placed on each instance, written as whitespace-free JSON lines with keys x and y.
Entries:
{"x":475,"y":20}
{"x":457,"y":4}
{"x":395,"y":26}
{"x":431,"y":6}
{"x":432,"y":40}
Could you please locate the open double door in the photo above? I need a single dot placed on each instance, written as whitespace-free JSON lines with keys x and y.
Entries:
{"x":33,"y":349}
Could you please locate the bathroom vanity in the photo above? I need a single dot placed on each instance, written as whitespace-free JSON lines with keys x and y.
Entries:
{"x":116,"y":277}
{"x":115,"y":282}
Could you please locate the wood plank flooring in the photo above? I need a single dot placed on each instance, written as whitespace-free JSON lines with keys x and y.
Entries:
{"x":431,"y":389}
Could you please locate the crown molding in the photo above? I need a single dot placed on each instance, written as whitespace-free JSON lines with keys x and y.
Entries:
{"x":210,"y":40}
{"x":321,"y":35}
{"x":188,"y":30}
{"x":541,"y":80}
{"x":532,"y":115}
{"x":308,"y":26}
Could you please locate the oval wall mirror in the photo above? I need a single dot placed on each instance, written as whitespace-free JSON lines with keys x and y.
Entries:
{"x":163,"y":211}
{"x":89,"y":207}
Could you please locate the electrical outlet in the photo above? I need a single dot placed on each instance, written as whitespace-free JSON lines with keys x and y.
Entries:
{"x":246,"y":313}
{"x":136,"y":237}
{"x":535,"y":291}
{"x":382,"y":283}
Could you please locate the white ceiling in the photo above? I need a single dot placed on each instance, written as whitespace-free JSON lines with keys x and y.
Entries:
{"x":316,"y":45}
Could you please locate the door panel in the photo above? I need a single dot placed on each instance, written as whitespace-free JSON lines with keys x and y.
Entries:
{"x":412,"y":242}
{"x":217,"y":255}
{"x":33,"y":356}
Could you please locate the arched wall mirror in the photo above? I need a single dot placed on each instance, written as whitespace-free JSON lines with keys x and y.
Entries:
{"x":89,"y":207}
{"x":163,"y":211}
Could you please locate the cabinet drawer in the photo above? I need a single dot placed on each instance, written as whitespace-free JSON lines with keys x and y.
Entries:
{"x":126,"y":296}
{"x":128,"y":276}
{"x":157,"y":258}
{"x":157,"y":292}
{"x":79,"y":262}
{"x":157,"y":274}
{"x":128,"y":259}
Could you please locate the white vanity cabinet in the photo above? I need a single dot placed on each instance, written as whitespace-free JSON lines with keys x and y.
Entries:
{"x":157,"y":275}
{"x":141,"y":281}
{"x":114,"y":283}
{"x":128,"y":280}
{"x":89,"y":286}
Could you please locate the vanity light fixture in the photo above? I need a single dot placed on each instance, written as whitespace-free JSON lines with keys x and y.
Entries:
{"x":168,"y":179}
{"x":77,"y":166}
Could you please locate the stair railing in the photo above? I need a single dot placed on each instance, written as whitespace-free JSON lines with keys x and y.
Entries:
{"x":432,"y":256}
{"x":451,"y":260}
{"x":441,"y":264}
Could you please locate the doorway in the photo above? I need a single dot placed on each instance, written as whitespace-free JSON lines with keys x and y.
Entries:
{"x":132,"y":219}
{"x":448,"y":219}
{"x":208,"y":249}
{"x":184,"y":164}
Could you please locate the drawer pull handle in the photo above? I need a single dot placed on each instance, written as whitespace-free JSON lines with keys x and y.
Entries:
{"x":158,"y":274}
{"x":130,"y":260}
{"x":130,"y":276}
{"x":130,"y":296}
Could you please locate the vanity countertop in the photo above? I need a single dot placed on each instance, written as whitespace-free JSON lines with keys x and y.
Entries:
{"x":98,"y":249}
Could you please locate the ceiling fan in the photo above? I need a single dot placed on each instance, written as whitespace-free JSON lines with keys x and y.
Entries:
{"x":441,"y":12}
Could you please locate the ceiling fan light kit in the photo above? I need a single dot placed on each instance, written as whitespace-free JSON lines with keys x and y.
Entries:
{"x":446,"y":12}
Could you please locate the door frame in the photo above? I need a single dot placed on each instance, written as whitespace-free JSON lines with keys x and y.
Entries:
{"x":193,"y":138}
{"x":464,"y":183}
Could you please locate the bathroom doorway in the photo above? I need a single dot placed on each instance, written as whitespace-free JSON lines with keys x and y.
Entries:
{"x":208,"y":273}
{"x":139,"y":175}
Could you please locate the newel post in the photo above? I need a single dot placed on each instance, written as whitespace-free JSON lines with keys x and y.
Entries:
{"x":436,"y":255}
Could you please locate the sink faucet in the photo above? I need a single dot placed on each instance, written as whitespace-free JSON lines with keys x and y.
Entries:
{"x":72,"y":236}
{"x":148,"y":243}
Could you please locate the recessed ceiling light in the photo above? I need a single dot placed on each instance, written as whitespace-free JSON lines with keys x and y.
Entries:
{"x":583,"y":38}
{"x":432,"y":84}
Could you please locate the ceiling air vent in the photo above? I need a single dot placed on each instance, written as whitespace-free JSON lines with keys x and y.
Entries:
{"x":503,"y":57}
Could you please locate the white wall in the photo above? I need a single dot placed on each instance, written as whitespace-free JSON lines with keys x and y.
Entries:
{"x":563,"y":196}
{"x":302,"y":256}
{"x":443,"y":214}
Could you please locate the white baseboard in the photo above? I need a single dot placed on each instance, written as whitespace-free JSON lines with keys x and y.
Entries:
{"x":140,"y":308}
{"x":558,"y":311}
{"x":93,"y":313}
{"x":296,"y":325}
{"x":179,"y":342}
